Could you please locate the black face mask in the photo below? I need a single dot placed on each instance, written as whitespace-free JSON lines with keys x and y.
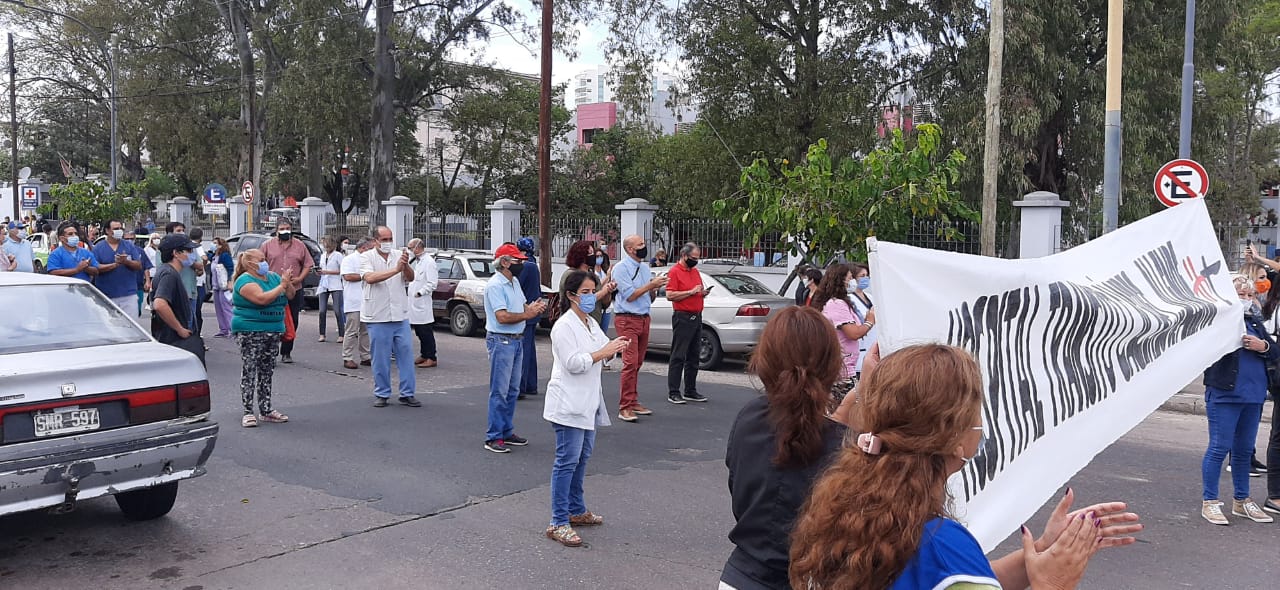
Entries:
{"x":642,"y":253}
{"x":286,"y":236}
{"x":516,"y":268}
{"x":692,"y":262}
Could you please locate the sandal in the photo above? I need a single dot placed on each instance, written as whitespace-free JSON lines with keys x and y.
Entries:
{"x":564,"y":535}
{"x":586,"y":519}
{"x":275,"y":417}
{"x":249,"y":421}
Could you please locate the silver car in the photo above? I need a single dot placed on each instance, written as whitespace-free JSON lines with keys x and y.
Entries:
{"x":736,"y":310}
{"x":91,"y":405}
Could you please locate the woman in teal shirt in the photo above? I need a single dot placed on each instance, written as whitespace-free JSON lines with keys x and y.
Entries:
{"x":257,"y":323}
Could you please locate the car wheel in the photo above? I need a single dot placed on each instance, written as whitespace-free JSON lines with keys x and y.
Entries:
{"x":148,"y":503}
{"x":462,"y":321}
{"x":38,"y":266}
{"x":709,"y":352}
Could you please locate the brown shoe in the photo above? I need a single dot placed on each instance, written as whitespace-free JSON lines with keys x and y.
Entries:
{"x":641,"y":410}
{"x":627,"y":415}
{"x":350,"y":365}
{"x":366,"y":363}
{"x":586,"y":519}
{"x":424,"y":363}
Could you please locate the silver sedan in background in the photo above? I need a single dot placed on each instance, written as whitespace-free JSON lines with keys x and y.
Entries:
{"x":737,"y":308}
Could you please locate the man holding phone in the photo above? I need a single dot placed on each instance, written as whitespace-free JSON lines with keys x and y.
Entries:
{"x":687,"y":296}
{"x":287,"y":254}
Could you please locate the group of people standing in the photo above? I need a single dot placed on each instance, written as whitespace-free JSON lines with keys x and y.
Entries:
{"x":843,"y":294}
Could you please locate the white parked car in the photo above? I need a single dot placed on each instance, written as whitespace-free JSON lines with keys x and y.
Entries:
{"x":91,"y":405}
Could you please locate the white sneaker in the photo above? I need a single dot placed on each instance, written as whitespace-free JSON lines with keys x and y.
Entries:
{"x":1212,"y":512}
{"x":1250,"y":510}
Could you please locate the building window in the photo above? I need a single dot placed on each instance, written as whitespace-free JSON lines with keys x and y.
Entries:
{"x":588,"y":135}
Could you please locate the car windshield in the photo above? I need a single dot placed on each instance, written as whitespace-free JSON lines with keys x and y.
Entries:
{"x":743,"y":285}
{"x":61,"y":317}
{"x":481,"y":267}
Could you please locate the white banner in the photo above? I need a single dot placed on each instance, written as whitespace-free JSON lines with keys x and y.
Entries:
{"x":1076,"y":348}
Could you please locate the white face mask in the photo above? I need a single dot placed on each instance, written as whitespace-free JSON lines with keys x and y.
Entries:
{"x":385,"y":247}
{"x":117,"y":233}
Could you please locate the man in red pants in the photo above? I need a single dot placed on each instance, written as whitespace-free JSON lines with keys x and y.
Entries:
{"x":636,"y":290}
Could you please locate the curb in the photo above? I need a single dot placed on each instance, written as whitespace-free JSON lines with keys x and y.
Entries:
{"x":1185,"y":402}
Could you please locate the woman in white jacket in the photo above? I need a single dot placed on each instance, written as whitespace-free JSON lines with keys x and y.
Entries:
{"x":575,"y":404}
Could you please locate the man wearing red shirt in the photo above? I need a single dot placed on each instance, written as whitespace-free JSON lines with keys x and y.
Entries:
{"x":687,"y":295}
{"x":287,"y":254}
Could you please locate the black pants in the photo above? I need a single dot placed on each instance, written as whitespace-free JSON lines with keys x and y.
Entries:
{"x":295,"y":307}
{"x":686,"y":337}
{"x":427,"y":339}
{"x":1273,"y":453}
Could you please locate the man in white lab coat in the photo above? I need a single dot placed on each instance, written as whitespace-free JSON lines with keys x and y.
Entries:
{"x":421,"y":314}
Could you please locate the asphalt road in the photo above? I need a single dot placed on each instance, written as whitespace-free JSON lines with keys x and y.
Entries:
{"x":350,"y":496}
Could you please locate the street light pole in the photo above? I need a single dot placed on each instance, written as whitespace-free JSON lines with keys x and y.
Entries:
{"x":1188,"y":80}
{"x":111,"y":70}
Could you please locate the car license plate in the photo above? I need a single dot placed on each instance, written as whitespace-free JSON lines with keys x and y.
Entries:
{"x":66,"y":420}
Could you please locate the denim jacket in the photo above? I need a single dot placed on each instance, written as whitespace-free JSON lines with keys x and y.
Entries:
{"x":1222,"y":374}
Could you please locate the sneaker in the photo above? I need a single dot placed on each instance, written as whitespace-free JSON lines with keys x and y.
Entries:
{"x":641,"y":410}
{"x":694,"y":397}
{"x":497,"y":446}
{"x":675,"y":398}
{"x":1271,"y":506}
{"x":339,"y":339}
{"x":1257,"y":467}
{"x":380,"y":402}
{"x":410,"y":401}
{"x":627,"y":415}
{"x":320,"y":339}
{"x":1212,"y":512}
{"x":286,"y":359}
{"x":516,"y":441}
{"x":1250,"y":510}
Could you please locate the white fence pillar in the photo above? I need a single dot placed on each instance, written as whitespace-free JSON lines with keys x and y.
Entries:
{"x":399,"y":218}
{"x":637,"y":220}
{"x":238,"y":215}
{"x":504,"y":222}
{"x":313,"y":214}
{"x":180,"y":210}
{"x":1041,"y":224}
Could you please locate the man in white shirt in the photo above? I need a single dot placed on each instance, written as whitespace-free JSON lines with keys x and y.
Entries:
{"x":421,"y":314}
{"x":356,"y":334}
{"x":385,"y":310}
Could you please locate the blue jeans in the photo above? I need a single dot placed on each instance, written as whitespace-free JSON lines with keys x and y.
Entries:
{"x":387,"y":338}
{"x":336,"y":298}
{"x":573,"y":448}
{"x":529,"y":372}
{"x":1232,"y":428}
{"x":505,"y":356}
{"x":605,"y":319}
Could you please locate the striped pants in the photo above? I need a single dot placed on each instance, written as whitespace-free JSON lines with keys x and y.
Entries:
{"x":258,"y":352}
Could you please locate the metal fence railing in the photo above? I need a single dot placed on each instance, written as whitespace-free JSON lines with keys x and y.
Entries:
{"x":565,"y":231}
{"x":720,"y":240}
{"x":454,"y":232}
{"x":933,"y":234}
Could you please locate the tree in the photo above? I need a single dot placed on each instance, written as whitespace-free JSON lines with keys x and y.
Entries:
{"x":827,"y":206}
{"x":93,"y":202}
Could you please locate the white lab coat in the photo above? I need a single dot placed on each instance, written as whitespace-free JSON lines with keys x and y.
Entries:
{"x":425,"y":278}
{"x":574,"y":396}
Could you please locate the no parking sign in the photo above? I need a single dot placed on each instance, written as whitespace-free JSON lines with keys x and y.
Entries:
{"x":1180,"y":181}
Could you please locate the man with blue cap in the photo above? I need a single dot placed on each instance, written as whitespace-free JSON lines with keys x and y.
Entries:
{"x":17,"y":246}
{"x":531,"y":283}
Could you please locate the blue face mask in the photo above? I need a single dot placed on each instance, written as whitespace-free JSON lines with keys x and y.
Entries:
{"x":190,"y":260}
{"x":850,"y":286}
{"x":587,"y":302}
{"x":264,"y":268}
{"x":864,"y":283}
{"x":599,"y":260}
{"x":73,"y":241}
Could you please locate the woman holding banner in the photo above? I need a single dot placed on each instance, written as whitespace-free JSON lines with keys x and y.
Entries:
{"x":899,"y":534}
{"x":833,"y":299}
{"x":1235,"y":388}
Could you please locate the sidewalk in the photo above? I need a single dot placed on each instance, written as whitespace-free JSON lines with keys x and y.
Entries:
{"x":1191,"y":401}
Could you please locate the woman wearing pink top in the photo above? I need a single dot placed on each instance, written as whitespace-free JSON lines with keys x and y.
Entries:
{"x":832,"y":299}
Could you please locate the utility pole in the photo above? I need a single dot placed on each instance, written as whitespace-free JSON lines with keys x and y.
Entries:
{"x":1111,"y":149}
{"x":1188,"y":80}
{"x":382,"y":156}
{"x":544,"y":149}
{"x":991,"y":149}
{"x":13,"y":127}
{"x":115,"y":147}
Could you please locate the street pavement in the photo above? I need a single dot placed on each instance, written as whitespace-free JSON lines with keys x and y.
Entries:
{"x":350,"y":496}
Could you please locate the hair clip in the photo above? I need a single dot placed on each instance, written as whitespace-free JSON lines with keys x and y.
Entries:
{"x":869,"y":443}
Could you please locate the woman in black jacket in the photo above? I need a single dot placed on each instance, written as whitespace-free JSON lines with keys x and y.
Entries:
{"x":1235,"y":388}
{"x":797,"y":361}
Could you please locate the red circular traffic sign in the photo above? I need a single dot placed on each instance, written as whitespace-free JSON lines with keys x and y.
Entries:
{"x":246,"y":190}
{"x":1180,"y":181}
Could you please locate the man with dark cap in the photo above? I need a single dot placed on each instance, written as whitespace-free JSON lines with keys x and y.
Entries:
{"x":170,"y":303}
{"x":530,"y":280}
